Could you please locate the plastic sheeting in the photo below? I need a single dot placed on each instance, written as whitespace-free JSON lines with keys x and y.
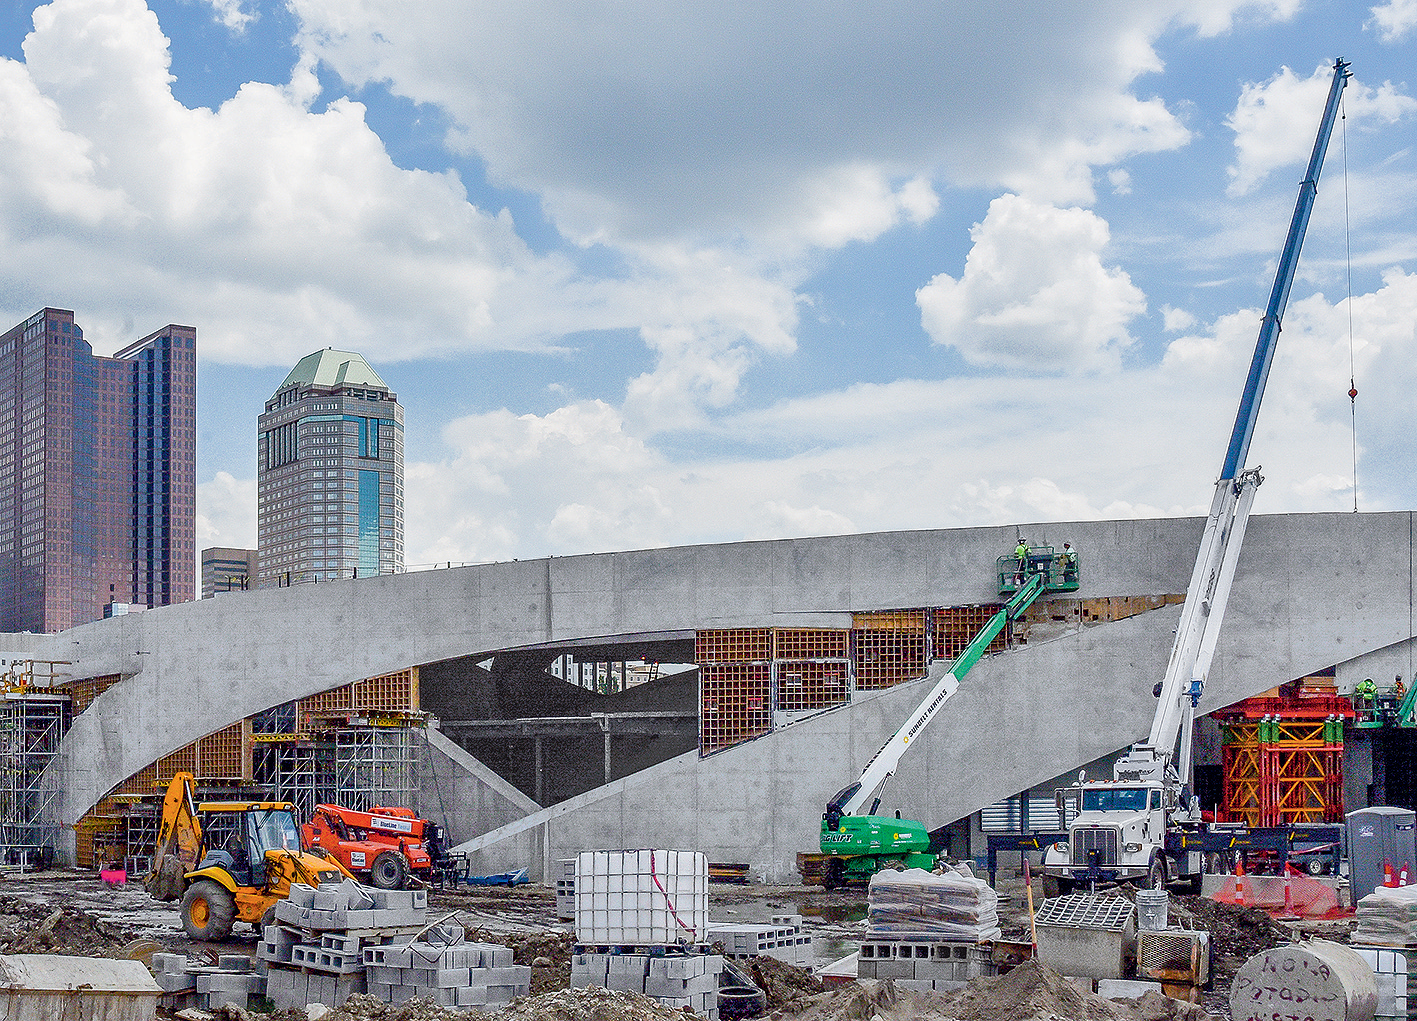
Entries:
{"x":1387,"y":916}
{"x":916,"y":904}
{"x":1310,"y":898}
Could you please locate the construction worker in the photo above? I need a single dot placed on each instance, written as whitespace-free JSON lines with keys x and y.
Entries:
{"x":1068,"y":561}
{"x":1398,"y":688}
{"x":1021,"y":552}
{"x":1364,"y":691}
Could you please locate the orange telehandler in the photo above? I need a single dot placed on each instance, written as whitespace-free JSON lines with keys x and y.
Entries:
{"x":389,"y":845}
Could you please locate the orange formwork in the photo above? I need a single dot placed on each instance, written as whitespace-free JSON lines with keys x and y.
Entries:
{"x":1282,"y":757}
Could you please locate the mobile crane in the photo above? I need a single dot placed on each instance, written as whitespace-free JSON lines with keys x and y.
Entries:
{"x":1145,"y":824}
{"x":860,"y":843}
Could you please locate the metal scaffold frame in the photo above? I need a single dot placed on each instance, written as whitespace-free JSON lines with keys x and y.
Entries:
{"x":376,"y":766}
{"x":31,"y":727}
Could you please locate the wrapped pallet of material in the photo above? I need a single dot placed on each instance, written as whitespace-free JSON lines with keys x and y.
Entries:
{"x":1387,"y":917}
{"x":916,"y":904}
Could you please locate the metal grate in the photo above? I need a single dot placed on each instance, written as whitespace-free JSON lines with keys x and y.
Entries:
{"x":1086,"y":911}
{"x":1085,"y":841}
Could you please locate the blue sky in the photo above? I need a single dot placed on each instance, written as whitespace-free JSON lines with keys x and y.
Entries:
{"x":645,"y":275}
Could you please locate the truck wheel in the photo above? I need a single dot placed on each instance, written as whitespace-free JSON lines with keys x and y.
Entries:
{"x":208,"y":909}
{"x":389,"y":871}
{"x":1156,"y":872}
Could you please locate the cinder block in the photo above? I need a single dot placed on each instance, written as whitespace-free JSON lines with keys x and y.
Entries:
{"x":507,"y":975}
{"x":500,"y":996}
{"x":379,"y":990}
{"x":302,"y":895}
{"x":895,"y":969}
{"x":470,"y":996}
{"x":170,"y":962}
{"x":290,"y":912}
{"x":175,"y":981}
{"x":340,"y":942}
{"x":276,"y":952}
{"x":626,"y":981}
{"x":1124,"y":989}
{"x":233,"y":962}
{"x":442,"y":997}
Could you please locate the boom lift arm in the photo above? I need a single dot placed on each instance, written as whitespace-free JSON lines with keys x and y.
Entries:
{"x":883,"y":764}
{"x":1209,"y":589}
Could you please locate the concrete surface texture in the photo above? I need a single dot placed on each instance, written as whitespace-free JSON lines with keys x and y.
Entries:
{"x":1312,"y":591}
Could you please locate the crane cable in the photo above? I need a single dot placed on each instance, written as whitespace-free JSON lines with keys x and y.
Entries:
{"x":1348,"y":250}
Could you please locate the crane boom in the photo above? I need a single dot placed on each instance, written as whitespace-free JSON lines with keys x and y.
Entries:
{"x":1209,"y":589}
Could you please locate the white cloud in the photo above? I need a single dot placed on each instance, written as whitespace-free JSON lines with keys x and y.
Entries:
{"x":1035,"y":293}
{"x":226,"y":512}
{"x":234,"y":14}
{"x":719,"y":123}
{"x":1275,"y":121}
{"x":1395,"y":19}
{"x":1174,"y":319}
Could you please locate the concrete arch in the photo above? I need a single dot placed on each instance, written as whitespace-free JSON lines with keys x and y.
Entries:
{"x":1311,"y":591}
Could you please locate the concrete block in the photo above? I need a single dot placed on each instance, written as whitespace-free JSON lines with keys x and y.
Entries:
{"x":276,"y":953}
{"x":442,"y":997}
{"x":340,"y":943}
{"x":379,"y":990}
{"x":170,"y":962}
{"x":626,"y":981}
{"x":301,"y":895}
{"x":494,"y":955}
{"x":442,"y":978}
{"x":292,"y":913}
{"x":508,"y":975}
{"x":1125,"y":989}
{"x":895,"y":969}
{"x":175,"y":981}
{"x":233,"y":962}
{"x":919,"y":985}
{"x":471,"y":996}
{"x":500,"y":996}
{"x":388,"y":956}
{"x":217,"y":989}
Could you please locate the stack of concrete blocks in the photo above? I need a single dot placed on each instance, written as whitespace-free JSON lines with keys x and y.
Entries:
{"x":924,"y":966}
{"x":566,"y":891}
{"x":642,"y":926}
{"x":314,"y":953}
{"x":782,"y":938}
{"x":679,"y":981}
{"x":232,"y":980}
{"x":446,"y":970}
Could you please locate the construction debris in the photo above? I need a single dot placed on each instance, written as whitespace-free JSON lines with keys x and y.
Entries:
{"x":27,"y":928}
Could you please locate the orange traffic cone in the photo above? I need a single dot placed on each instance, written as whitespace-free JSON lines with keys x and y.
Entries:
{"x":1289,"y":913}
{"x":1239,"y":881}
{"x":1402,"y":879}
{"x":1389,"y":880}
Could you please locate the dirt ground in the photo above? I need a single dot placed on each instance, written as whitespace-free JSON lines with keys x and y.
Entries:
{"x":71,"y":912}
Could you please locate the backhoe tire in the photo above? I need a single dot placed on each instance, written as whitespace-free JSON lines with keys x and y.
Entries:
{"x":389,"y":871}
{"x":208,"y":909}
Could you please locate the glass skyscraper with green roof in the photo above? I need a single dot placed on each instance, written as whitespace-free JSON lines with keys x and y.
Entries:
{"x":329,"y":477}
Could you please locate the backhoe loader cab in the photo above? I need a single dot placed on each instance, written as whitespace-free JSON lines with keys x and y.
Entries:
{"x":230,"y":861}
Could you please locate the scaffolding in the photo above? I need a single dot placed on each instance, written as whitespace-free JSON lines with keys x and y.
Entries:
{"x":355,"y":745}
{"x":31,"y":727}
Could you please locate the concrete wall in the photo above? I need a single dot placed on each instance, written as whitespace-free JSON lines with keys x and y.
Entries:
{"x":1311,"y":591}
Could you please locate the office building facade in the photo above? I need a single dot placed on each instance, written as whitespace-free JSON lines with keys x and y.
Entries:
{"x":329,"y":474}
{"x":97,"y":473}
{"x":227,"y":569}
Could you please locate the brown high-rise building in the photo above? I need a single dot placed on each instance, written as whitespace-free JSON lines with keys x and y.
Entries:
{"x":97,"y":473}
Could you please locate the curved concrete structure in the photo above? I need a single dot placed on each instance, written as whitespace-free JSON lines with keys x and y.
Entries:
{"x":1312,"y":591}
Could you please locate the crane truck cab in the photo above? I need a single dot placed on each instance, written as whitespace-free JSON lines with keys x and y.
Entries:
{"x":1117,"y":835}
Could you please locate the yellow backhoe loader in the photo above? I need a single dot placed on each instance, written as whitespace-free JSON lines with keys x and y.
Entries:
{"x":240,"y":881}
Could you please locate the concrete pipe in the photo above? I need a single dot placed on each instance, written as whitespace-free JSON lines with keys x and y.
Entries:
{"x":1318,"y":980}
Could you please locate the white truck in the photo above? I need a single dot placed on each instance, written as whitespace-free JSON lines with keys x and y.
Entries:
{"x":1145,"y":825}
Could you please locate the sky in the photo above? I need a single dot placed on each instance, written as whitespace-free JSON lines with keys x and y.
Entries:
{"x":646,"y":274}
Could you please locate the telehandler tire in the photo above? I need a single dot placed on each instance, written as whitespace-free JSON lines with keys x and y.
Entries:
{"x":208,"y":909}
{"x":389,"y":871}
